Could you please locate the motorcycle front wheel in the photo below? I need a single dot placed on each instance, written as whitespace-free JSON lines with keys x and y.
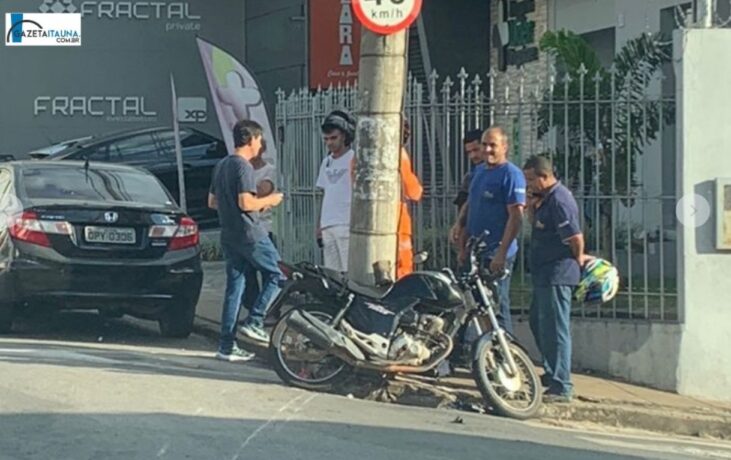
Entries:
{"x":299,"y":362}
{"x":516,"y":395}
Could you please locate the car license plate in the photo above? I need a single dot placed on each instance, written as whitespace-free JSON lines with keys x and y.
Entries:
{"x":110,"y":235}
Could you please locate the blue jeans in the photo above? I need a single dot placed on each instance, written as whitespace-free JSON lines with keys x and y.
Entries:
{"x":550,"y":315}
{"x":504,"y":317}
{"x":263,"y":256}
{"x":252,"y":287}
{"x":503,"y":293}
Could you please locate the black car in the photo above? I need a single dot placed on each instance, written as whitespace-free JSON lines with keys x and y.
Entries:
{"x":154,"y":150}
{"x":88,"y":235}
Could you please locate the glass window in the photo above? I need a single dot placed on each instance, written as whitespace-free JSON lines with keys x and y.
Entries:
{"x":136,"y":149}
{"x":98,"y":153}
{"x":98,"y":184}
{"x":197,"y":145}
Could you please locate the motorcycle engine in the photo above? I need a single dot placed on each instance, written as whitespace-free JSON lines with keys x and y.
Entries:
{"x":410,"y":349}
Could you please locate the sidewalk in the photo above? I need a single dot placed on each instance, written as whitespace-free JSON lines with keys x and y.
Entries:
{"x":602,"y":401}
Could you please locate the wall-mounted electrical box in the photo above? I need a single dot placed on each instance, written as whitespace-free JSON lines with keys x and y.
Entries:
{"x":723,"y":213}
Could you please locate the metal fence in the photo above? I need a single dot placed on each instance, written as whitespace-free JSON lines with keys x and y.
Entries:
{"x":612,"y":141}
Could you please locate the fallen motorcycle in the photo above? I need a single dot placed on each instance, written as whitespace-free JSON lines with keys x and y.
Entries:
{"x":411,"y":327}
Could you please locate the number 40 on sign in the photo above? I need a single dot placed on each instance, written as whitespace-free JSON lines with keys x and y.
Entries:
{"x":387,"y":16}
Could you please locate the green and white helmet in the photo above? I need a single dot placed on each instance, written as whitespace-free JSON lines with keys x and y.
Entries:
{"x":599,"y":282}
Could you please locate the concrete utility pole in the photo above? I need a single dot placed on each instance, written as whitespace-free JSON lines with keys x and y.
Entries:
{"x":377,"y":187}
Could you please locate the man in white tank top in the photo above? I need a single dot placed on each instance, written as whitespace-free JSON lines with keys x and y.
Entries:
{"x":334,"y":178}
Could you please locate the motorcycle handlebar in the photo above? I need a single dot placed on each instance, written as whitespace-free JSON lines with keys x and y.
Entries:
{"x":477,"y":246}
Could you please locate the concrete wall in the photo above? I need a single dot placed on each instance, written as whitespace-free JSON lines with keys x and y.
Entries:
{"x":643,"y":353}
{"x":452,"y":47}
{"x":704,"y":112}
{"x":630,"y":17}
{"x":582,"y":16}
{"x":518,"y":122}
{"x":276,"y":45}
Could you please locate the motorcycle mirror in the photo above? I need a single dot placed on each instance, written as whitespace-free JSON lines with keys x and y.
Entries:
{"x":421,"y":257}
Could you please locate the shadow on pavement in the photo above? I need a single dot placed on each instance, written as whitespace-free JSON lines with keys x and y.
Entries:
{"x":75,"y":326}
{"x":132,"y":361}
{"x":155,"y":435}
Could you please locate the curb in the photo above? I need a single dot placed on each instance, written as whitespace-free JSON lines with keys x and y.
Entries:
{"x":698,"y":423}
{"x":649,"y":418}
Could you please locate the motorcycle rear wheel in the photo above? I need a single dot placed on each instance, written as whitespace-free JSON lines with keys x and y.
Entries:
{"x":287,"y":343}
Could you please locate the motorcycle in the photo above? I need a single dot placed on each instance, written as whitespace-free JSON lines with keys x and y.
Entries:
{"x":409,"y":327}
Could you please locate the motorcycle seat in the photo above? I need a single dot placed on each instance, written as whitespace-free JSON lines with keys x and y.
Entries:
{"x":373,"y":292}
{"x":333,"y":275}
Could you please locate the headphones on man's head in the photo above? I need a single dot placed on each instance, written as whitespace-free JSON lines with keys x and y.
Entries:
{"x":343,"y":121}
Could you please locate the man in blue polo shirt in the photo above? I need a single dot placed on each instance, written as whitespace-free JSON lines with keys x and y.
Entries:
{"x":556,"y":257}
{"x":495,"y":203}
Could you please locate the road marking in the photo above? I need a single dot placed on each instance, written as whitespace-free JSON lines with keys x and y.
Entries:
{"x":697,"y":451}
{"x":273,"y":419}
{"x":164,"y":450}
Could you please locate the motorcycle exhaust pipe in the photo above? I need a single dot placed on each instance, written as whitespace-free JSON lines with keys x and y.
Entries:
{"x":324,"y":336}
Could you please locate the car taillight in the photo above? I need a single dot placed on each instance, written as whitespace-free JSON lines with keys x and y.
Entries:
{"x":28,"y":228}
{"x":186,"y":235}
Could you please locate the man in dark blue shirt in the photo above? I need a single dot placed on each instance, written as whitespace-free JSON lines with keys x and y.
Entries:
{"x":556,"y":257}
{"x":495,"y":203}
{"x":473,"y":148}
{"x":245,"y":242}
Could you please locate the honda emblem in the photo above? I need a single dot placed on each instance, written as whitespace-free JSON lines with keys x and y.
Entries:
{"x":111,"y":217}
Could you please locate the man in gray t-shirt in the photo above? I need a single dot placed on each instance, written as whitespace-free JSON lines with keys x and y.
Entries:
{"x":244,"y":241}
{"x":265,"y":177}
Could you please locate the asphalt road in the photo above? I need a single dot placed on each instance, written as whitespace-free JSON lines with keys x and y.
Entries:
{"x":76,"y":387}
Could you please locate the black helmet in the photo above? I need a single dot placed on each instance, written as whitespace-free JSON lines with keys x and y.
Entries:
{"x":339,"y":119}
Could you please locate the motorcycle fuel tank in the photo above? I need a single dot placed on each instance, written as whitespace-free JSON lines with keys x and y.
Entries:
{"x":434,"y":290}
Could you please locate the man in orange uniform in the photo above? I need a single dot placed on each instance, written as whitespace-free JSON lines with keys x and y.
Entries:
{"x":411,"y":190}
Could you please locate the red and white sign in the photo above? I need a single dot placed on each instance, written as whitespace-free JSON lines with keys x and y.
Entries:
{"x":387,"y":16}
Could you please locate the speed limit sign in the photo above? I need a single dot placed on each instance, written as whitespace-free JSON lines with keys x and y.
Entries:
{"x":387,"y":16}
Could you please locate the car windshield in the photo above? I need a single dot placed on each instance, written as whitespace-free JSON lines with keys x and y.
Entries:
{"x":74,"y":183}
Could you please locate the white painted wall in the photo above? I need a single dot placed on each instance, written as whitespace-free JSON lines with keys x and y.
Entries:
{"x":581,"y":16}
{"x":704,"y":141}
{"x":630,"y":18}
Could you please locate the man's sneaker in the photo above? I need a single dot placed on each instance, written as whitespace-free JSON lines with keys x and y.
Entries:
{"x":255,"y":333}
{"x":237,"y":355}
{"x":550,"y":397}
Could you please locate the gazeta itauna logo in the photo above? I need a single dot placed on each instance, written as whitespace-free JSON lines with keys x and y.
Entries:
{"x":35,"y":29}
